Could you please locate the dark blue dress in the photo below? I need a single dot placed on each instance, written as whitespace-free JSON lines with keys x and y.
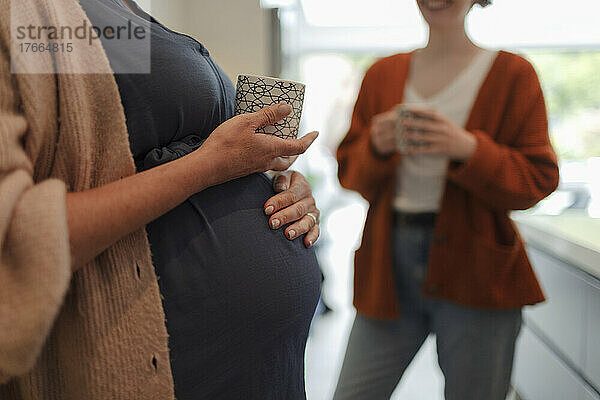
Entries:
{"x":238,"y":296}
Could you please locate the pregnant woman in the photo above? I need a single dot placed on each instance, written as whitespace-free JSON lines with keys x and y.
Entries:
{"x":238,"y":294}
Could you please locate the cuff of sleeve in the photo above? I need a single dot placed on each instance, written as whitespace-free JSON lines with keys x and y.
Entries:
{"x":478,"y":170}
{"x":38,"y":273}
{"x":377,"y":161}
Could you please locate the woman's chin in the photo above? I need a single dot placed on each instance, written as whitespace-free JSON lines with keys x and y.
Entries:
{"x":435,"y":6}
{"x":442,"y":19}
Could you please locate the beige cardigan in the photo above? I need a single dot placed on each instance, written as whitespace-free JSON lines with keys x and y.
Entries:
{"x":100,"y":333}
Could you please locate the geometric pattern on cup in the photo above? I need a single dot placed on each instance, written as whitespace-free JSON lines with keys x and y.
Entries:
{"x":256,"y":92}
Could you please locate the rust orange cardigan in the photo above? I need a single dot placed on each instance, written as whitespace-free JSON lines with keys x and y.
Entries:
{"x":477,"y":257}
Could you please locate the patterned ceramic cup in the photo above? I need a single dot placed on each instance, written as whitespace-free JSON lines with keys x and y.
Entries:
{"x":403,"y":111}
{"x":256,"y":92}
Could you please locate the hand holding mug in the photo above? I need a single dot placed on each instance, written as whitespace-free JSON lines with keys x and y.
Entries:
{"x":383,"y":133}
{"x":235,"y":149}
{"x":437,"y":135}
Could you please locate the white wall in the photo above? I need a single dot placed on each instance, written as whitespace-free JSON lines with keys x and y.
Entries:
{"x":172,"y":13}
{"x":236,"y":32}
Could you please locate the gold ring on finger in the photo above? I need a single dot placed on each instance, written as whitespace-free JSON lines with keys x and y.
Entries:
{"x":313,"y":216}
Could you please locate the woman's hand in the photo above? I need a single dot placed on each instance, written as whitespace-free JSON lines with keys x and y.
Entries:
{"x":383,"y":133}
{"x":99,"y":217}
{"x":294,"y":203}
{"x":235,"y":149}
{"x":439,"y":136}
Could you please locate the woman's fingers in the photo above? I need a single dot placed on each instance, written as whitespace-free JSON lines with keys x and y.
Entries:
{"x":269,"y":115}
{"x":298,"y":190}
{"x":426,"y":137}
{"x":422,"y":124}
{"x":281,"y":163}
{"x":294,"y":206}
{"x":384,"y":138}
{"x":282,"y":181}
{"x":385,"y":117}
{"x":385,"y":134}
{"x":384,"y":124}
{"x":294,"y":147}
{"x":312,"y":236}
{"x":279,"y":148}
{"x":292,"y":213}
{"x":302,"y":226}
{"x":426,"y":113}
{"x":239,"y":151}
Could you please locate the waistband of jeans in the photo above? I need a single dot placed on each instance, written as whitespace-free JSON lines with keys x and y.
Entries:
{"x":426,"y":219}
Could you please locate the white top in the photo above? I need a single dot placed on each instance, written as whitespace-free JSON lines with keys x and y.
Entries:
{"x":421,"y":178}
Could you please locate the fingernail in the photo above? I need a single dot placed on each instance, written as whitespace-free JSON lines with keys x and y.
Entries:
{"x":282,"y":187}
{"x":269,"y":210}
{"x":310,"y":243}
{"x":285,"y":108}
{"x":275,"y":223}
{"x":292,"y":234}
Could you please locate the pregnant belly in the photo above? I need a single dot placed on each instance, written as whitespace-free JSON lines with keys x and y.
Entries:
{"x":230,"y":282}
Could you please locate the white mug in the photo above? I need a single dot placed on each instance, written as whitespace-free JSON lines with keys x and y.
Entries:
{"x":403,"y":111}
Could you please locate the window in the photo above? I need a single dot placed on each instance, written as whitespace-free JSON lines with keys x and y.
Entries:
{"x":329,"y":44}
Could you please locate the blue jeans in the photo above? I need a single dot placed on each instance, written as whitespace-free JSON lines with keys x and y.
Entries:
{"x":475,"y":347}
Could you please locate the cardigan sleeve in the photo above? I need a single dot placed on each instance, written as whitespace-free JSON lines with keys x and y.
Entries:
{"x":517,"y":175}
{"x":360,"y":168}
{"x":35,"y":261}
